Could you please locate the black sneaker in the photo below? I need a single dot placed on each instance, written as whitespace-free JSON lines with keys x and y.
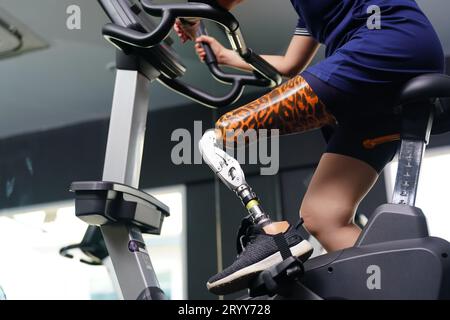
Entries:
{"x":259,"y":252}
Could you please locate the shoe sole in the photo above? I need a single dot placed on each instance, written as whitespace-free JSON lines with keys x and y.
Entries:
{"x":240,"y":279}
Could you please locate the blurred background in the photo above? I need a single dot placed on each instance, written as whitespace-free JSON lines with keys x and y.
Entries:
{"x":56,"y":93}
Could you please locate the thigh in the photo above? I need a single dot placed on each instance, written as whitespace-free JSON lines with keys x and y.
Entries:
{"x":338,"y":185}
{"x":335,"y":191}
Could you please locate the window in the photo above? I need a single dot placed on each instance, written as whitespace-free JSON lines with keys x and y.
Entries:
{"x":433,"y":191}
{"x":31,"y":267}
{"x":168,"y":251}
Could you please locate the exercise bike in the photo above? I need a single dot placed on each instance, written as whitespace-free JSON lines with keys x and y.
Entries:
{"x":394,"y":258}
{"x":116,"y":205}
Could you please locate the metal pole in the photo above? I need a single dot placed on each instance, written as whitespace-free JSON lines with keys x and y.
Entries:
{"x":125,"y":244}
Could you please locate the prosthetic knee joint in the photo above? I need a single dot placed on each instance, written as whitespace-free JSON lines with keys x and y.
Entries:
{"x":230,"y":173}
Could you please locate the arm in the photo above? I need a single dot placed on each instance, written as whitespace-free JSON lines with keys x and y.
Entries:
{"x":299,"y":54}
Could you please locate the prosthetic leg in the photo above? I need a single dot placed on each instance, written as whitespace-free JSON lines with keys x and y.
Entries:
{"x":274,"y":249}
{"x":292,"y":107}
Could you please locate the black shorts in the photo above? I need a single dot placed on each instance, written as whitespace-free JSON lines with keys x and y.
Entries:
{"x":367,"y":129}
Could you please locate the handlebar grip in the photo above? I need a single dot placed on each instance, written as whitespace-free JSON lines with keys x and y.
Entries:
{"x":230,"y":78}
{"x":210,"y":56}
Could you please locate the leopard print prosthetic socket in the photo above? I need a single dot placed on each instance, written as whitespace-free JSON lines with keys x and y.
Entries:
{"x":293,"y":107}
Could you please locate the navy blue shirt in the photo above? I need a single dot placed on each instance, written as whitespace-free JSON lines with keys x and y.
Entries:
{"x":360,"y":59}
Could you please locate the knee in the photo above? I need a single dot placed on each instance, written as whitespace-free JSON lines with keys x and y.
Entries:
{"x":321,"y":215}
{"x":312,"y":218}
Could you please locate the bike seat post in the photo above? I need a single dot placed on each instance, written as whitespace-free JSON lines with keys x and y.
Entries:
{"x":417,"y":121}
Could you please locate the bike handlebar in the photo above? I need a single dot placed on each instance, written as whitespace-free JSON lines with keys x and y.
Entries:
{"x":265,"y":75}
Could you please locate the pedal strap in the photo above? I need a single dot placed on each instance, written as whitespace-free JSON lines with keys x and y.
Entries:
{"x":282,"y":245}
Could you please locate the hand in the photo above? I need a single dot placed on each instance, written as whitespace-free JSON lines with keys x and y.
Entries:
{"x":222,"y":54}
{"x":185,"y":30}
